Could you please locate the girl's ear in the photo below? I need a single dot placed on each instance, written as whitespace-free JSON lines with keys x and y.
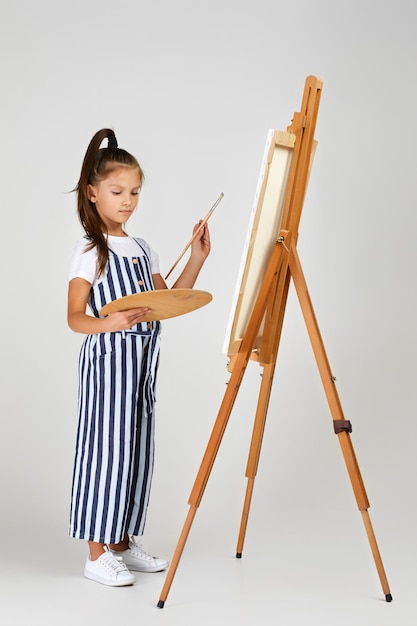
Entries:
{"x":91,"y":193}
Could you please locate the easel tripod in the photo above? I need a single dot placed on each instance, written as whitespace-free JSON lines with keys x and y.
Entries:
{"x":283,"y":266}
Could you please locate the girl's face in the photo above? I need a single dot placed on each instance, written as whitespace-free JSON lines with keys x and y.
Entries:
{"x":116,"y":197}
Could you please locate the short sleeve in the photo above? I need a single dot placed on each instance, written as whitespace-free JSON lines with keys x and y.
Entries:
{"x":154,"y":259}
{"x":83,"y":263}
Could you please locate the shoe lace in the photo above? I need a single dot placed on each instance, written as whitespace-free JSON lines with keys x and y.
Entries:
{"x":113,"y":562}
{"x":139,"y":552}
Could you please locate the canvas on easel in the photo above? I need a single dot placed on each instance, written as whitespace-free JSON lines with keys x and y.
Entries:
{"x":270,"y":264}
{"x":264,"y":223}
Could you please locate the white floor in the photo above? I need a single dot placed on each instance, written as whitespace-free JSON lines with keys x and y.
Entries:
{"x":303,"y":569}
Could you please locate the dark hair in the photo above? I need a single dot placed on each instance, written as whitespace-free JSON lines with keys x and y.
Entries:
{"x":97,"y":165}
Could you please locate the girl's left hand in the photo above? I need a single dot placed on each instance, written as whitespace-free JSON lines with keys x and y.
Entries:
{"x":201,"y":245}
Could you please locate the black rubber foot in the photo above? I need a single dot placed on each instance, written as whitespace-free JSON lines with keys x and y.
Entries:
{"x":388,"y":597}
{"x":160,"y":604}
{"x":238,"y":555}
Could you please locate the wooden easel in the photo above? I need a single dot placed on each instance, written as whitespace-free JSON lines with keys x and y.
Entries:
{"x":269,"y":309}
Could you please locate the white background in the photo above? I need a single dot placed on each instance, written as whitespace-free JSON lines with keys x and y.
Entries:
{"x":191,"y":88}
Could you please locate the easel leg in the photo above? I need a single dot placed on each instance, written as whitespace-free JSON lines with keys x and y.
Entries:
{"x":376,"y":554}
{"x":245,"y":516}
{"x":225,"y":410}
{"x":204,"y":472}
{"x":267,"y":356}
{"x":336,"y":411}
{"x":255,"y":450}
{"x":177,"y":556}
{"x":206,"y":466}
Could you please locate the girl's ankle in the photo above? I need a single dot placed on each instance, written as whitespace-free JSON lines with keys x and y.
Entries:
{"x":119,"y":547}
{"x":96,"y":550}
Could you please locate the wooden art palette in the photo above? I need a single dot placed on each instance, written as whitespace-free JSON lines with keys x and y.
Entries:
{"x":164,"y":303}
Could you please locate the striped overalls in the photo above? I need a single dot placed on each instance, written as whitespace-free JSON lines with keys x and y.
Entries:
{"x":115,"y":437}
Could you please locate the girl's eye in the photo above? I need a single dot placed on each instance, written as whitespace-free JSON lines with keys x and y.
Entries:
{"x":116,"y":193}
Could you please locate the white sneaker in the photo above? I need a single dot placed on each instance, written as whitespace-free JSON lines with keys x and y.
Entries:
{"x":138,"y":560}
{"x":108,"y":570}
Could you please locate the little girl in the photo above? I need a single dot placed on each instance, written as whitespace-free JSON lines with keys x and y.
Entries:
{"x":117,"y":366}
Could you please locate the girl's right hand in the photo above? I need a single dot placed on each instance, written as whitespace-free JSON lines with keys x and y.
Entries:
{"x":80,"y":322}
{"x":124,"y":320}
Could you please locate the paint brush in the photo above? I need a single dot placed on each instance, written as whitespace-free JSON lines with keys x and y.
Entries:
{"x":203,"y":222}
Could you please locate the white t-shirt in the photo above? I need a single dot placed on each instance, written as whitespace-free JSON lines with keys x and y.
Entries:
{"x":84,"y":264}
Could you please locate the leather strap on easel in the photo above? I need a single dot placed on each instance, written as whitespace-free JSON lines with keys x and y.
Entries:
{"x":341,"y":426}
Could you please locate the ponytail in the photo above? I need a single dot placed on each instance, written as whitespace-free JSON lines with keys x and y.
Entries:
{"x":98,"y":163}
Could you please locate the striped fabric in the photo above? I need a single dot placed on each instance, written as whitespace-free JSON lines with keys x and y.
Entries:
{"x":115,"y":437}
